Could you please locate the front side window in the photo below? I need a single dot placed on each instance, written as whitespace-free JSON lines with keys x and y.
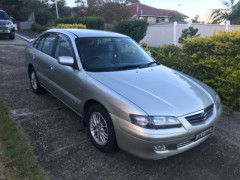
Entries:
{"x":63,"y":47}
{"x":109,"y":54}
{"x":48,"y":44}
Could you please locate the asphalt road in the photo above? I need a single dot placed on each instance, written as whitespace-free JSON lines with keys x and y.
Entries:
{"x":63,"y":148}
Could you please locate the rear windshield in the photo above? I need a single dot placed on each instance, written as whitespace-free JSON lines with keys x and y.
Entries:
{"x":3,"y":15}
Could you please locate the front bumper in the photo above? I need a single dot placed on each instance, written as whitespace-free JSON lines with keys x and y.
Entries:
{"x":142,"y":142}
{"x":6,"y":30}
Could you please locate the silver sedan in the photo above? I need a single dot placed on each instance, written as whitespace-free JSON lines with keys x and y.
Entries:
{"x":125,"y":98}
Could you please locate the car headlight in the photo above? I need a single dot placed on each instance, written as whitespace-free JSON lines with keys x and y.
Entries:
{"x":218,"y":101}
{"x":9,"y":24}
{"x":155,"y":122}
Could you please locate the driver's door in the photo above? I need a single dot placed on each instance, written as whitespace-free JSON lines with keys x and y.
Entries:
{"x":67,"y":79}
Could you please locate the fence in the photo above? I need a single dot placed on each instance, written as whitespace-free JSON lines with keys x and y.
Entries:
{"x":26,"y":24}
{"x":157,"y":35}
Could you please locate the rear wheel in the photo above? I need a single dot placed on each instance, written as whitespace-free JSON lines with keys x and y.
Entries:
{"x":100,"y":129}
{"x":35,"y":85}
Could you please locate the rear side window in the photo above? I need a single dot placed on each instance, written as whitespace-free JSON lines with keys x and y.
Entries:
{"x":39,"y":43}
{"x":48,"y":44}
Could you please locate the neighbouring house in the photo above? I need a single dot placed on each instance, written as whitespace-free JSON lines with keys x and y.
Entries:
{"x":150,"y":14}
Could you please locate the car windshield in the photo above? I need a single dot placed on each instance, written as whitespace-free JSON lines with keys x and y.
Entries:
{"x":3,"y":15}
{"x":112,"y":54}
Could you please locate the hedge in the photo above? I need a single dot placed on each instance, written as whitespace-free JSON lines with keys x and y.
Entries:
{"x":38,"y":28}
{"x":214,"y":60}
{"x":136,"y":29}
{"x":65,"y":20}
{"x":91,"y":22}
{"x":76,"y":26}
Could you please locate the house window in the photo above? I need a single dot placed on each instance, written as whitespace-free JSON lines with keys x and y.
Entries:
{"x":160,"y":19}
{"x":143,"y":18}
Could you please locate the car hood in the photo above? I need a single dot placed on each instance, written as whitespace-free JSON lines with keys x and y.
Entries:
{"x":3,"y":22}
{"x":158,"y":90}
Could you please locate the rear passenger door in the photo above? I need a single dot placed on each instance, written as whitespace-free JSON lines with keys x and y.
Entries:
{"x":43,"y":58}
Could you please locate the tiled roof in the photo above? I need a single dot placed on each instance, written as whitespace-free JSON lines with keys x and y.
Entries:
{"x":142,"y":9}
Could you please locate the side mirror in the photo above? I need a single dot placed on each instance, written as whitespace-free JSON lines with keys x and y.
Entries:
{"x":66,"y":60}
{"x":149,"y":53}
{"x":31,"y":40}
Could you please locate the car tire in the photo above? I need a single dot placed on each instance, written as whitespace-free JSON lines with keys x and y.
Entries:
{"x":12,"y":35}
{"x":100,"y":129}
{"x":35,"y":85}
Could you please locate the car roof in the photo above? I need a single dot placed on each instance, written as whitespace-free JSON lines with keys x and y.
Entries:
{"x":87,"y":33}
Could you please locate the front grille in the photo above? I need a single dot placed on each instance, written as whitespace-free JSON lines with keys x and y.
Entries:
{"x":3,"y":28}
{"x":184,"y":144}
{"x":201,"y":116}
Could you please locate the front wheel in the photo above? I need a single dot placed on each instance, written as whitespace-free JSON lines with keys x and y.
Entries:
{"x":12,"y":35}
{"x":100,"y":129}
{"x":35,"y":85}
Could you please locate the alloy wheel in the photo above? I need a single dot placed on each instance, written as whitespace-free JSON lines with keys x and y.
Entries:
{"x":98,"y":128}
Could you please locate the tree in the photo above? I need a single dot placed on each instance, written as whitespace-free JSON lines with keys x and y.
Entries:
{"x":131,"y":1}
{"x":110,"y":10}
{"x":115,"y":11}
{"x":80,"y":3}
{"x":175,"y":16}
{"x":93,"y":7}
{"x":220,"y":15}
{"x":16,"y":8}
{"x":188,"y":33}
{"x":195,"y":20}
{"x":234,"y":17}
{"x":62,"y":8}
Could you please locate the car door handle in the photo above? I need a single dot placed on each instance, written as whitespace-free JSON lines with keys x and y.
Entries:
{"x":34,"y":57}
{"x":52,"y":68}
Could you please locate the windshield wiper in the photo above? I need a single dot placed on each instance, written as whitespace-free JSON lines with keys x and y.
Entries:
{"x":149,"y":64}
{"x":126,"y":67}
{"x":123,"y":67}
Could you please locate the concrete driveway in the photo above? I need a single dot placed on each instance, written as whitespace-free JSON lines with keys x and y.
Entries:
{"x":63,"y":148}
{"x":16,"y":41}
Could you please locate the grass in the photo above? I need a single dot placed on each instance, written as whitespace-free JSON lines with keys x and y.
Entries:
{"x":16,"y":158}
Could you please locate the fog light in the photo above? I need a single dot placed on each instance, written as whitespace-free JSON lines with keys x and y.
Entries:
{"x":159,"y":148}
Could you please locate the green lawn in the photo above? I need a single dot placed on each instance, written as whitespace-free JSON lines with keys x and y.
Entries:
{"x":16,"y":157}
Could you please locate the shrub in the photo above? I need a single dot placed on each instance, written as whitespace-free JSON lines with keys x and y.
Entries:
{"x":136,"y":29}
{"x":214,"y":60}
{"x":38,"y":28}
{"x":188,"y":33}
{"x":167,"y":55}
{"x":76,"y":26}
{"x":65,"y":20}
{"x":92,"y":22}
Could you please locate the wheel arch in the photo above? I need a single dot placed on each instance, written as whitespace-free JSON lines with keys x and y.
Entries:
{"x":86,"y":107}
{"x":30,"y":66}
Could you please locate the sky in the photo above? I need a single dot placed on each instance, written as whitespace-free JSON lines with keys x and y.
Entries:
{"x":187,"y":7}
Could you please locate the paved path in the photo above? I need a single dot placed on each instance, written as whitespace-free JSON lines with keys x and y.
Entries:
{"x":64,"y":150}
{"x":16,"y":41}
